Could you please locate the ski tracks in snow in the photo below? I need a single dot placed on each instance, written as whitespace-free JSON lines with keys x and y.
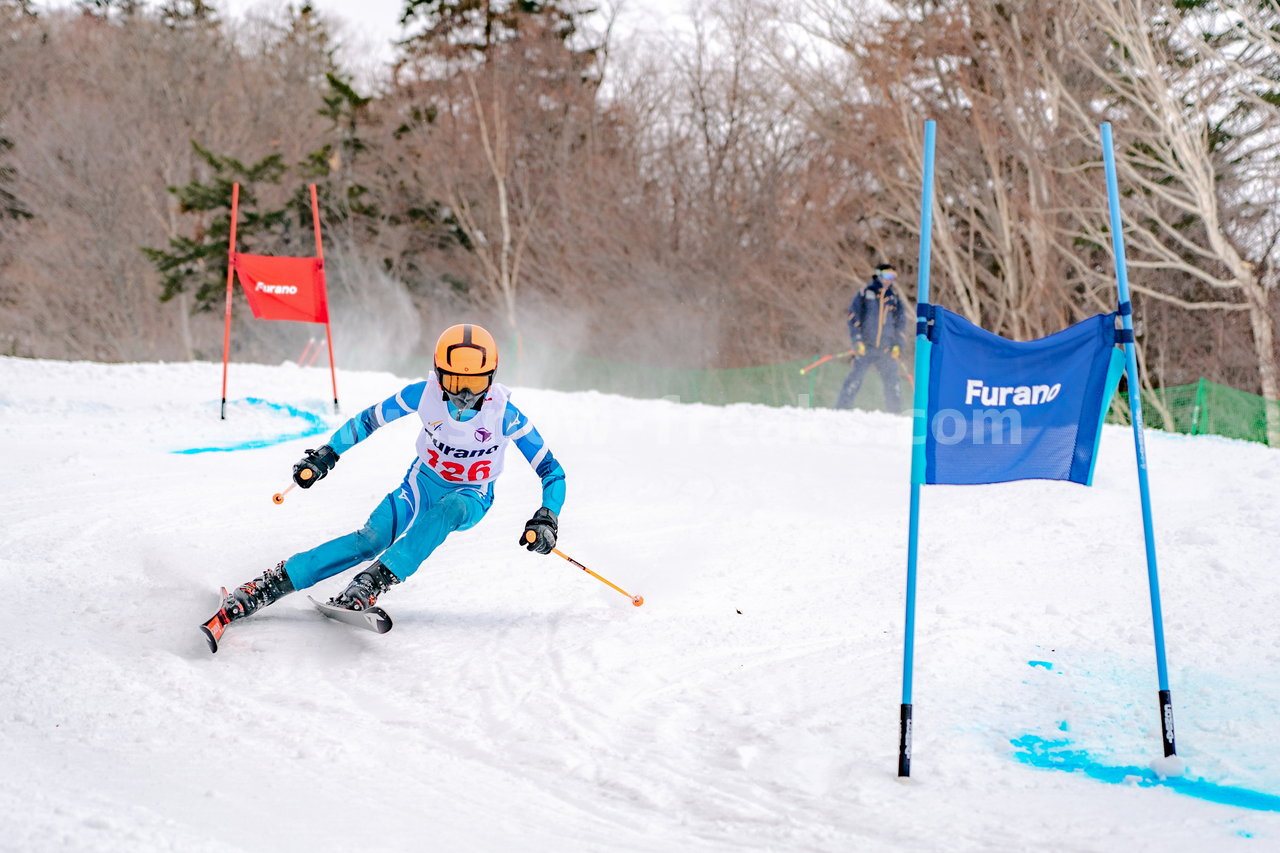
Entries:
{"x":751,"y":704}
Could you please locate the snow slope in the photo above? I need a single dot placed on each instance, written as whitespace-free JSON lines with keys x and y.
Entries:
{"x":519,"y":704}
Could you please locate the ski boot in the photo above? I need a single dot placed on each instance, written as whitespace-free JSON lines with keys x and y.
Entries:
{"x":248,"y":598}
{"x":364,"y":589}
{"x":245,"y":600}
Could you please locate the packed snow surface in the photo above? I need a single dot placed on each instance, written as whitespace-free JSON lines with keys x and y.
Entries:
{"x":520,"y":704}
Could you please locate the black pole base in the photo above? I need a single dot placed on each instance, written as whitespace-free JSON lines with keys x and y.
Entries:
{"x":1166,"y":723}
{"x":904,"y":740}
{"x":224,"y":408}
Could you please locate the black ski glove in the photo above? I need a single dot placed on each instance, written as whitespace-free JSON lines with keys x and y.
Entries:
{"x":314,"y":466}
{"x":543,"y":527}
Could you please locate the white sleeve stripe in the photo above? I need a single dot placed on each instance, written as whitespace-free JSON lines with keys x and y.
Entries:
{"x":536,"y":460}
{"x":523,"y":431}
{"x":404,"y":407}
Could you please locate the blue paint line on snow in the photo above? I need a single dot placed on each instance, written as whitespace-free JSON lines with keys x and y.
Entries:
{"x":1058,"y":755}
{"x":1043,"y":663}
{"x":315,"y":426}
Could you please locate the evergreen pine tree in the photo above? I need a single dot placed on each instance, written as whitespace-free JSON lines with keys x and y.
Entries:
{"x":199,"y":263}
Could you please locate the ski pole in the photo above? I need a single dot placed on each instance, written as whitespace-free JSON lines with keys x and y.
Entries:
{"x":637,"y":600}
{"x":278,"y":497}
{"x":824,"y":360}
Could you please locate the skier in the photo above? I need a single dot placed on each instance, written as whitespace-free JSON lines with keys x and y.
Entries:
{"x":467,"y":422}
{"x":877,"y":322}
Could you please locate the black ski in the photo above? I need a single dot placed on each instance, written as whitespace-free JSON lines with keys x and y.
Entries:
{"x":372,"y":619}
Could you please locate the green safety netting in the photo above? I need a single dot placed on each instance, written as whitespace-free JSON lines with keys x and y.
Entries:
{"x":769,"y":385}
{"x":1204,"y":408}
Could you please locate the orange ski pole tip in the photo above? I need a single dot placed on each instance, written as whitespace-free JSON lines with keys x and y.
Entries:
{"x":277,"y":498}
{"x":637,"y":600}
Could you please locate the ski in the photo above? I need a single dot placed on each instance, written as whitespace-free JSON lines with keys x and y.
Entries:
{"x":217,"y":623}
{"x":373,"y":619}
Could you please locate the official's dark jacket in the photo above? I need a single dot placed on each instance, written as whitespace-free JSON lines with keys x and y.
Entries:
{"x":877,"y":317}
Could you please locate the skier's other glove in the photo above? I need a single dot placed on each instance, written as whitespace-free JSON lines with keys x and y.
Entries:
{"x":862,"y":348}
{"x":543,"y":527}
{"x":895,"y":351}
{"x":318,"y":462}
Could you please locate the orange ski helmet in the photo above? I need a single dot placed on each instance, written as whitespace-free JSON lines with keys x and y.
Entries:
{"x":466,"y":358}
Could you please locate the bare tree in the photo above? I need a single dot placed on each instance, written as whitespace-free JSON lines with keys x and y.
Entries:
{"x":101,"y":112}
{"x":1193,"y":95}
{"x":515,"y":209}
{"x":1018,"y":89}
{"x":975,"y":68}
{"x":488,"y":126}
{"x":754,"y":206}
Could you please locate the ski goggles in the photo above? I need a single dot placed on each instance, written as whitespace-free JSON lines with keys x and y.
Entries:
{"x":888,"y":275}
{"x":459,"y":383}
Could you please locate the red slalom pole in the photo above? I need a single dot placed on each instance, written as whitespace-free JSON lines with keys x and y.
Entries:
{"x":328,"y":331}
{"x":306,"y":352}
{"x":906,"y":374}
{"x":231,"y":271}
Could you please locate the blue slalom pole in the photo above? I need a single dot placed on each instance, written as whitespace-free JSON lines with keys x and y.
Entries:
{"x":919,"y":425}
{"x":1135,"y":406}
